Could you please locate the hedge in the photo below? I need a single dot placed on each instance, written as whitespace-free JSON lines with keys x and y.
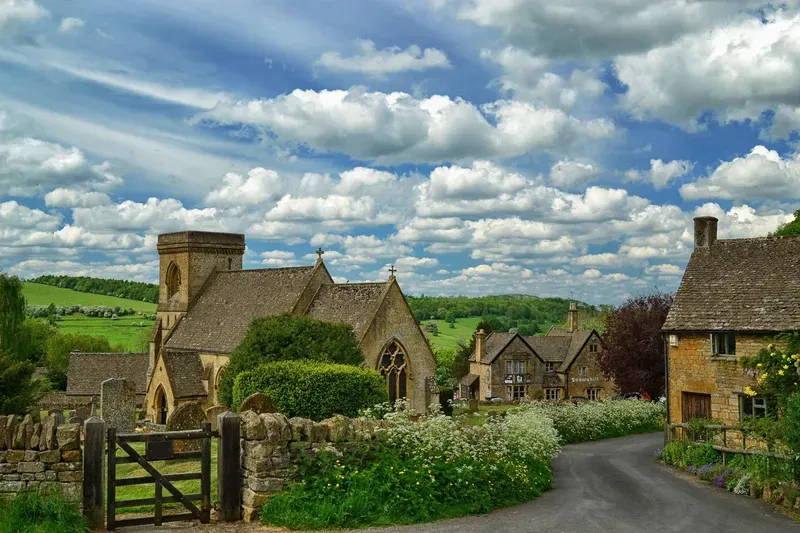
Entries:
{"x":312,"y":390}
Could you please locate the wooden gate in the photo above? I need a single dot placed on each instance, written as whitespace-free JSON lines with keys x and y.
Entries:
{"x":696,"y":406}
{"x":159,"y":447}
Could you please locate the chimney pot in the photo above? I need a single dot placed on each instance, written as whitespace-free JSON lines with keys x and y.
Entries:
{"x":705,"y":231}
{"x":572,"y":317}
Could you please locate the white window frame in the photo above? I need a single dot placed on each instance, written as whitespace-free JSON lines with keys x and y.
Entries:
{"x":509,"y":367}
{"x":549,"y":367}
{"x":761,"y":404}
{"x":593,"y":394}
{"x":519,"y":367}
{"x":583,"y":371}
{"x":723,"y":345}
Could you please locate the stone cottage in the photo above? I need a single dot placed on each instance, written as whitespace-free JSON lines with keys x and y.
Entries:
{"x":559,"y":365}
{"x":736,"y":295}
{"x":206,"y":303}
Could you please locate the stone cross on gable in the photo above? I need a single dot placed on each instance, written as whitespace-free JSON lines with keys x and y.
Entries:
{"x":392,"y":271}
{"x":320,"y":251}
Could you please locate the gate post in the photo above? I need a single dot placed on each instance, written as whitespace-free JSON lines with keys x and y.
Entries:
{"x":93,"y":463}
{"x":229,"y":476}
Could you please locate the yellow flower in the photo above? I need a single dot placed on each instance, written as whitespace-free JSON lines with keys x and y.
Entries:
{"x":771,"y":347}
{"x":749,"y":391}
{"x":759,"y":365}
{"x":780,"y":372}
{"x":786,"y":367}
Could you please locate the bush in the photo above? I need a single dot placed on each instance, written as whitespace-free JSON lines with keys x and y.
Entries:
{"x":421,"y":471}
{"x":289,"y":338}
{"x":32,"y":512}
{"x":313,"y":390}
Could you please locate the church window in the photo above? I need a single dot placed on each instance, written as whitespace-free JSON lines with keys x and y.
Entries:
{"x":173,"y":280}
{"x":393,"y":365}
{"x":230,"y":263}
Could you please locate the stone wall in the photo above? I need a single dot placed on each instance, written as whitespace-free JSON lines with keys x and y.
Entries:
{"x":273,"y":444}
{"x":578,"y":385}
{"x":693,"y":369}
{"x":40,"y":456}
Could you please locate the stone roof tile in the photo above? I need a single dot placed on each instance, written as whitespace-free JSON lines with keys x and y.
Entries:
{"x":550,"y":349}
{"x":354,"y":304}
{"x":87,"y":371}
{"x":185,"y":371}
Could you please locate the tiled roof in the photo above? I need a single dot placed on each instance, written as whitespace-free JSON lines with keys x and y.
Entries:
{"x":469,"y":379}
{"x":740,"y":285}
{"x":219,"y":320}
{"x":185,"y":371}
{"x":559,"y":332}
{"x":577,"y":341}
{"x":351,"y":303}
{"x":493,"y":345}
{"x":550,"y":349}
{"x":87,"y":371}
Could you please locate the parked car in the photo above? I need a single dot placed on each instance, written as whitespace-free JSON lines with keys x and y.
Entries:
{"x":496,"y":399}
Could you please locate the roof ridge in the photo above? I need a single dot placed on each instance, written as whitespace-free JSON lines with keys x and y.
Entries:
{"x":268,"y":269}
{"x":764,"y":238}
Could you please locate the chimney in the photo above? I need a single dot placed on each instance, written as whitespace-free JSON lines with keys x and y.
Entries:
{"x":572,"y":317}
{"x":479,"y":347}
{"x":705,"y":232}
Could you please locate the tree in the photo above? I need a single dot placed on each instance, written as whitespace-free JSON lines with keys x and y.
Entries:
{"x":12,"y":314}
{"x":634,"y":346}
{"x":445,"y":357}
{"x":60,"y":345}
{"x":790,"y":228}
{"x":18,"y":391}
{"x":35,"y":333}
{"x":289,"y":338}
{"x":461,"y":359}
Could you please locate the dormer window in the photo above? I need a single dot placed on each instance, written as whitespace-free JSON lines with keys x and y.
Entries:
{"x":723,"y":344}
{"x":593,"y":347}
{"x":549,"y":367}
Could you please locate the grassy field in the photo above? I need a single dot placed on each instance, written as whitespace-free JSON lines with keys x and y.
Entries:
{"x":449,"y":338}
{"x":37,"y":294}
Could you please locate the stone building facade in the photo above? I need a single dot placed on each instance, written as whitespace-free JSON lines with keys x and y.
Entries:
{"x":207,"y":302}
{"x":735,"y":297}
{"x":560,"y":365}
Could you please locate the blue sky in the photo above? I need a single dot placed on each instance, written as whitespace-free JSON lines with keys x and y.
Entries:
{"x":482,"y":146}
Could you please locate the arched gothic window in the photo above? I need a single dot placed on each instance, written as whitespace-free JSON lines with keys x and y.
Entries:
{"x":393,"y":365}
{"x":173,"y":280}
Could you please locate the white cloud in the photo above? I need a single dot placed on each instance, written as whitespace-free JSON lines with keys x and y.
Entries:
{"x":744,"y":221}
{"x":736,"y":70}
{"x":664,"y":270}
{"x":411,"y":263}
{"x":71,"y":25}
{"x":592,"y":273}
{"x":397,"y":127}
{"x":153,"y":216}
{"x":329,"y":208}
{"x":599,"y":260}
{"x":278,"y":258}
{"x":378,"y":63}
{"x":568,"y":174}
{"x":13,"y":12}
{"x":483,"y":179}
{"x":75,"y":198}
{"x":760,"y":175}
{"x":661,"y":174}
{"x":14,"y":215}
{"x":260,"y":185}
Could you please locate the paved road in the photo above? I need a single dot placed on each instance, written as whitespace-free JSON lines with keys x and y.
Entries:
{"x":617,"y":485}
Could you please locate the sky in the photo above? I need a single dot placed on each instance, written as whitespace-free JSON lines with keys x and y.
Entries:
{"x":480,"y":146}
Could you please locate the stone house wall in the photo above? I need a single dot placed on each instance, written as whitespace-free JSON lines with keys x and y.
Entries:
{"x":516,"y":351}
{"x":577,"y":385}
{"x":693,"y":369}
{"x":40,"y":456}
{"x":272,"y":445}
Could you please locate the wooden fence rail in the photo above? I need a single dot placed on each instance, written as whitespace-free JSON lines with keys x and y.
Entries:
{"x":724,"y":448}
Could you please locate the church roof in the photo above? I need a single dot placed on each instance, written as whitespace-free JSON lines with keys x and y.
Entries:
{"x":87,"y":371}
{"x":219,"y":319}
{"x":185,"y":371}
{"x":354,"y":304}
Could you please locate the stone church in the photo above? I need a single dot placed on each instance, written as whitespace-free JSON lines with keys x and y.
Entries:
{"x":207,"y":301}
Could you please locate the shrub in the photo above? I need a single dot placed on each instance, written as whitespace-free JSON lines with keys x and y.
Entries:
{"x":31,"y":512}
{"x":312,"y":390}
{"x":289,"y":338}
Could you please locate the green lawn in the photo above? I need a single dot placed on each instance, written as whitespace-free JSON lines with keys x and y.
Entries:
{"x":126,"y":331}
{"x":37,"y":294}
{"x":449,"y":338}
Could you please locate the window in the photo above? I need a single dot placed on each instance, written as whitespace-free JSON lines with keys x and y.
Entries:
{"x":509,"y":367}
{"x":552,"y":395}
{"x":723,"y":344}
{"x":593,"y":394}
{"x":549,"y":367}
{"x":515,"y":393}
{"x":489,"y":374}
{"x":673,"y":340}
{"x":582,"y":371}
{"x":519,"y":367}
{"x":230,"y":263}
{"x":593,"y":348}
{"x":753,"y":406}
{"x":173,"y":280}
{"x":393,"y":365}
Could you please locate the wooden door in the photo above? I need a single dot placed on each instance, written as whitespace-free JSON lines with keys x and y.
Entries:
{"x":696,"y":406}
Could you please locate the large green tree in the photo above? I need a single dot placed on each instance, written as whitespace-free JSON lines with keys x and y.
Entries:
{"x":289,"y":338}
{"x":12,"y":314}
{"x":18,"y":391}
{"x":58,"y":348}
{"x":790,"y":228}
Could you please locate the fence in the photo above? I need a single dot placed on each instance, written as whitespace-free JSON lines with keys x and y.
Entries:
{"x":688,"y":432}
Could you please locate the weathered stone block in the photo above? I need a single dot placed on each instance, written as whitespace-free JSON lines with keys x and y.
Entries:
{"x":118,"y":404}
{"x":319,"y":432}
{"x":251,"y":498}
{"x":65,"y":467}
{"x":31,"y":455}
{"x":27,"y":477}
{"x":47,"y":440}
{"x":68,"y":437}
{"x":72,"y":492}
{"x":12,"y":477}
{"x":256,"y":449}
{"x":50,"y":476}
{"x":36,"y":437}
{"x":250,"y":514}
{"x":50,"y":456}
{"x":12,"y":486}
{"x":257,"y":465}
{"x":15,"y":456}
{"x":278,"y":428}
{"x":2,"y":457}
{"x":40,"y":476}
{"x":23,"y":434}
{"x":252,"y":426}
{"x":301,"y":428}
{"x":11,"y":431}
{"x":364,"y":429}
{"x":71,"y":456}
{"x":65,"y":477}
{"x":50,"y":487}
{"x":269,"y":484}
{"x":34,"y":467}
{"x":259,"y":403}
{"x":3,"y":421}
{"x":340,"y":428}
{"x":6,"y":468}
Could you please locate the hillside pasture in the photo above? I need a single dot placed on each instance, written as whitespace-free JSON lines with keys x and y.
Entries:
{"x":449,"y":338}
{"x":37,"y":294}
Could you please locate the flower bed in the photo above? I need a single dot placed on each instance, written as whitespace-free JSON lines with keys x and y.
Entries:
{"x":421,"y":471}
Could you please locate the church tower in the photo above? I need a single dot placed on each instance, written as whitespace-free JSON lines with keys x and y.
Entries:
{"x":186,"y":260}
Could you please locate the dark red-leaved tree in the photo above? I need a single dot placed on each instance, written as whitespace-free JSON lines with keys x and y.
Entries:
{"x":634,"y":347}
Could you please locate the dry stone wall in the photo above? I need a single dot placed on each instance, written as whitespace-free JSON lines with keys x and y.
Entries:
{"x":272,"y":445}
{"x":42,"y":456}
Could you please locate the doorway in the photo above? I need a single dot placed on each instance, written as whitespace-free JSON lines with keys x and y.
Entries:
{"x":161,"y":406}
{"x":695,"y":405}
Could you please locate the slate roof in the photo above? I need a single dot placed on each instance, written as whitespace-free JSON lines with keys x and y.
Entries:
{"x":185,"y":371}
{"x":219,"y":319}
{"x":577,"y":341}
{"x":469,"y":379}
{"x":354,"y":304}
{"x":553,"y":348}
{"x":740,"y":285}
{"x":87,"y":371}
{"x":550,"y":349}
{"x":493,"y":345}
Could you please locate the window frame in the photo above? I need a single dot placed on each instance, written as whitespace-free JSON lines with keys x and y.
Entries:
{"x":593,"y":347}
{"x":764,"y":406}
{"x":549,"y":392}
{"x":583,"y":371}
{"x":593,"y":392}
{"x":723,"y":341}
{"x":549,"y":367}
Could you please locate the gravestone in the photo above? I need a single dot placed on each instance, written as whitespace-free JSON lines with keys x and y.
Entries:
{"x":76,"y":420}
{"x":118,"y":404}
{"x":212,"y":413}
{"x":259,"y":403}
{"x":82,"y":412}
{"x":186,"y":416}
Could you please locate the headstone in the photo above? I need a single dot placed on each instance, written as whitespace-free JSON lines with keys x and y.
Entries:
{"x":259,"y":403}
{"x":212,"y":413}
{"x":76,"y":420}
{"x":186,"y":416}
{"x":118,"y":404}
{"x":82,"y":412}
{"x":473,"y":405}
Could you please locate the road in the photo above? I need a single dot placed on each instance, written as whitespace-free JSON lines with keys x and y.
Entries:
{"x":615,"y":485}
